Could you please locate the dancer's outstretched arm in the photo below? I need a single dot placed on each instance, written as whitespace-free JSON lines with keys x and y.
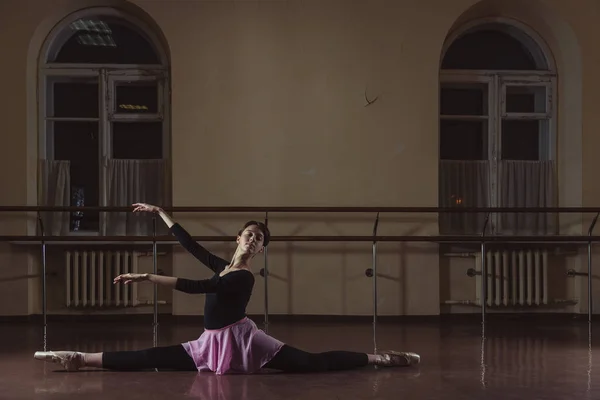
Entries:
{"x":168,"y":281}
{"x":231,"y":282}
{"x":215,"y":263}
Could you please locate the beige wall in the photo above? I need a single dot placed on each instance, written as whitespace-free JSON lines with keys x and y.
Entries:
{"x":268,"y":109}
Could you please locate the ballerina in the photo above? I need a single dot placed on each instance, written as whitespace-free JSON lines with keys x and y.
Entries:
{"x":231,"y":342}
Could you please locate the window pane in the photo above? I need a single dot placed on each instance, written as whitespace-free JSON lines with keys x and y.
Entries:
{"x":464,"y":99}
{"x":525,"y":99}
{"x":489,"y":49}
{"x":137,"y":140}
{"x":463,"y":140}
{"x":521,"y":139}
{"x":78,"y":142}
{"x":75,"y":98}
{"x":105,"y":41}
{"x":139,"y":97}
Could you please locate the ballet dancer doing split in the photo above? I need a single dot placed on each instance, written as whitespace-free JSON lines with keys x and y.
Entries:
{"x":231,"y":342}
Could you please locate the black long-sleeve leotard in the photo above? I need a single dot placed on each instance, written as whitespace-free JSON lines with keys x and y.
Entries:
{"x":226,"y":296}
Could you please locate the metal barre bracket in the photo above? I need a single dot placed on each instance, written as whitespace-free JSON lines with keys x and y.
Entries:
{"x":572,"y":273}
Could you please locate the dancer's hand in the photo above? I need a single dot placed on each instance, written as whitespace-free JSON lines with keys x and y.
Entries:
{"x":140,"y":207}
{"x":129,"y":278}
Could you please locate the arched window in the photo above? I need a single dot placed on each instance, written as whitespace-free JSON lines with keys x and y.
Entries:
{"x":104,"y":131}
{"x":497,"y":128}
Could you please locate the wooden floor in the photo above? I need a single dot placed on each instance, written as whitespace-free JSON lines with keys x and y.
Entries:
{"x":518,"y":359}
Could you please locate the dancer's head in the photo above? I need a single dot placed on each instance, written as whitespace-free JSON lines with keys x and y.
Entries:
{"x":253,"y":237}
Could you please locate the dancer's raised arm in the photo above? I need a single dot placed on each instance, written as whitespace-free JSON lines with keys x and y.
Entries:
{"x":212,"y":261}
{"x":143,"y":207}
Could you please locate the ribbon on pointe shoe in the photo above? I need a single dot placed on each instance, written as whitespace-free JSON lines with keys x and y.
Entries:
{"x":70,"y":360}
{"x":390,"y":358}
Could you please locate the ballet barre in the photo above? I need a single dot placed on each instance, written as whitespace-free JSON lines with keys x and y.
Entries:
{"x":482,"y":239}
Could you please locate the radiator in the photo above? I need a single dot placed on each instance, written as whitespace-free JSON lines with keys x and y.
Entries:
{"x":514,"y":278}
{"x":90,"y":274}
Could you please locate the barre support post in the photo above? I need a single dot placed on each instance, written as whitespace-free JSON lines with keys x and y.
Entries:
{"x":155,"y":269}
{"x":266,"y":278}
{"x":589,"y":249}
{"x":375,"y":284}
{"x":484,"y":276}
{"x":44,"y":283}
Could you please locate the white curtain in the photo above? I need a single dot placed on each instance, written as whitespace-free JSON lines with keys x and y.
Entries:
{"x":135,"y":181}
{"x":527,"y":184}
{"x":55,"y":179}
{"x":463,"y":184}
{"x":520,"y":184}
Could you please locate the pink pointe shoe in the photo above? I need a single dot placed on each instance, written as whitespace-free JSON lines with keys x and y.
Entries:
{"x":70,"y":360}
{"x":391,"y":358}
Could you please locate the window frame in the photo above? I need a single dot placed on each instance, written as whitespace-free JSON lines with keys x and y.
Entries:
{"x":496,"y":80}
{"x":464,"y":77}
{"x":107,"y":75}
{"x":545,"y":74}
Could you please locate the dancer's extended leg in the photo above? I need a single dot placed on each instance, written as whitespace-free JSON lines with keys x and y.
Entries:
{"x":291,"y":359}
{"x":166,"y":358}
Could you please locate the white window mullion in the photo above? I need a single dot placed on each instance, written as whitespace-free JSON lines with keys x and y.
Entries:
{"x":47,"y":108}
{"x":163,"y":107}
{"x":552,"y":137}
{"x":494,"y":148}
{"x":104,"y":130}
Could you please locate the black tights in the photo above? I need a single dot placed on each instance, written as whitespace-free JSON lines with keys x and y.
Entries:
{"x":291,"y":359}
{"x":288,"y":359}
{"x":162,"y":358}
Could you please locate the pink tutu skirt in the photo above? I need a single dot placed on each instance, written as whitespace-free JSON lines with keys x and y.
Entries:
{"x":239,"y":348}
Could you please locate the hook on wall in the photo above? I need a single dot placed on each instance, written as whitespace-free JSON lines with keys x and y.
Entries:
{"x":369,"y":102}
